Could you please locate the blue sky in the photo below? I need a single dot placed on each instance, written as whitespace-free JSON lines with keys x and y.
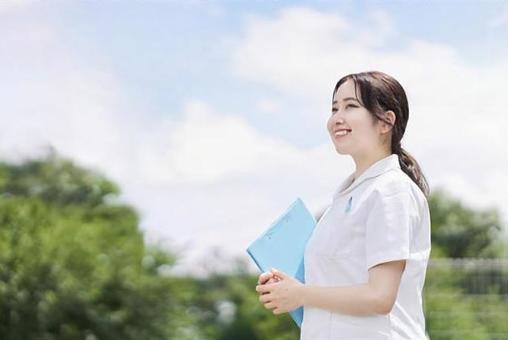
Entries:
{"x":157,"y":48}
{"x":221,"y":106}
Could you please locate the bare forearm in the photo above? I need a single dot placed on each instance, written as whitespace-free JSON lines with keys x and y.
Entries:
{"x":354,"y":300}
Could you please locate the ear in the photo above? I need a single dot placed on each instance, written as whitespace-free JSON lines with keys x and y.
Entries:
{"x":391,"y":117}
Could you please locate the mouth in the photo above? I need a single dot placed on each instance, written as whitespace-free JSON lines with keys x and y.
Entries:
{"x":341,"y":132}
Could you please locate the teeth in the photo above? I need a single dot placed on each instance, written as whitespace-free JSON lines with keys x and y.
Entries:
{"x":341,"y":133}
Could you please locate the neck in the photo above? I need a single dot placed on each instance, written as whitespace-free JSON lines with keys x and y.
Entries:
{"x":363,"y":162}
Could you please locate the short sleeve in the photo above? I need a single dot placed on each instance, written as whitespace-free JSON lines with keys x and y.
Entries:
{"x":388,"y":229}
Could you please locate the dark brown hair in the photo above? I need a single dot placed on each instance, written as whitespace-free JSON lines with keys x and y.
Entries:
{"x":379,"y":93}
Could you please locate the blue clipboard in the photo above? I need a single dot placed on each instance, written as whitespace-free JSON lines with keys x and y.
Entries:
{"x":282,"y":245}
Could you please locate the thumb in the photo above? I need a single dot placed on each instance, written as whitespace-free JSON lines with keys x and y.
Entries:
{"x":280,"y":274}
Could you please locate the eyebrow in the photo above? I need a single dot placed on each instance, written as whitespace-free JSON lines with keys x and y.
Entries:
{"x":348,"y":98}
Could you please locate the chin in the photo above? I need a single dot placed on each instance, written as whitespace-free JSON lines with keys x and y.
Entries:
{"x":341,"y":151}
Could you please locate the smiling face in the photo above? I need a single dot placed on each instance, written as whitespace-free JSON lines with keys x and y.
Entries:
{"x":351,"y":126}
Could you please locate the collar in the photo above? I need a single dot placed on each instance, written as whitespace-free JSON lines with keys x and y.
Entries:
{"x":380,"y":167}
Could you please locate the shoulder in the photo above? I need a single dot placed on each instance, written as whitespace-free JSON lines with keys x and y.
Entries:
{"x":392,"y":182}
{"x":397,"y":186}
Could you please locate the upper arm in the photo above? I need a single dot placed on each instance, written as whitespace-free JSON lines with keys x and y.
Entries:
{"x":384,"y":280}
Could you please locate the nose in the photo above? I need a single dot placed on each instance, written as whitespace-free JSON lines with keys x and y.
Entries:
{"x":338,"y":121}
{"x":336,"y":118}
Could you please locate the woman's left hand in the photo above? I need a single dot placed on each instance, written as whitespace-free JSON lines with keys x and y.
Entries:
{"x":282,"y":296}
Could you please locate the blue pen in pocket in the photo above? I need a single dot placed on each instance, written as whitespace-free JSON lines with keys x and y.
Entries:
{"x":349,"y":204}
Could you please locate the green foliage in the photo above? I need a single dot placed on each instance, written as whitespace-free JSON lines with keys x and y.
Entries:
{"x":229,"y":309}
{"x":463,"y":302}
{"x":55,"y":180}
{"x":72,"y":264}
{"x":460,"y":231}
{"x":451,"y":316}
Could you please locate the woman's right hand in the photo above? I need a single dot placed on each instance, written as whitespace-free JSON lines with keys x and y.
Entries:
{"x":267,"y":277}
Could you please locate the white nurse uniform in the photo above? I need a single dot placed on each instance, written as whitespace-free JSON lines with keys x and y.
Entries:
{"x":382,"y":216}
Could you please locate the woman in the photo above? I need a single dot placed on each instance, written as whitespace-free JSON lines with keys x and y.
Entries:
{"x":366,"y":260}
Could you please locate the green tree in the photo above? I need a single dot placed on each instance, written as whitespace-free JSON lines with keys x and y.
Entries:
{"x":460,"y":231}
{"x":229,"y":307}
{"x":73,"y":263}
{"x":464,"y":301}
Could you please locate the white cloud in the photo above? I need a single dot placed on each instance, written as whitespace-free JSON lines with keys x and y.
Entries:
{"x":208,"y":146}
{"x":12,"y":5}
{"x":282,"y":52}
{"x":385,"y":29}
{"x":267,"y":105}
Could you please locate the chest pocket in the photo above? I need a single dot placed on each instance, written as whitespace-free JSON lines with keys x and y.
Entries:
{"x":350,"y":242}
{"x":340,"y":234}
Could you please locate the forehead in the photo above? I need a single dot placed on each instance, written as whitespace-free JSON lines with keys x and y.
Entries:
{"x":346,"y":90}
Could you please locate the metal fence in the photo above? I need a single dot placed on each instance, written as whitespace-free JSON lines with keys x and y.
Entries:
{"x":466,"y":299}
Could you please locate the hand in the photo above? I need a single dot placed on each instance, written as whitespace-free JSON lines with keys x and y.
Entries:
{"x":266,"y":277}
{"x":282,"y":296}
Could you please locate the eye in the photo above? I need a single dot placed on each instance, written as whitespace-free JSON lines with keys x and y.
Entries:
{"x":347,"y":106}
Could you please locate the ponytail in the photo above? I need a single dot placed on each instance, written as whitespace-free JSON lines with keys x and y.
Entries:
{"x":411,"y":167}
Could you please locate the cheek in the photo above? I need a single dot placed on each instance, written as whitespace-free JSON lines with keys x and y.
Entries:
{"x":366,"y":135}
{"x":329,"y":124}
{"x":362,"y":124}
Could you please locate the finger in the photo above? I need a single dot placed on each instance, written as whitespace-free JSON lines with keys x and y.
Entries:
{"x":279,"y":273}
{"x":264,"y":277}
{"x":261,"y":289}
{"x":265,"y":298}
{"x":272,"y":280}
{"x":264,"y":288}
{"x":268,"y":282}
{"x":277,"y":311}
{"x":267,"y":277}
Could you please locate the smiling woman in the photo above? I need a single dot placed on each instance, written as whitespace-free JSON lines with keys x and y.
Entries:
{"x":366,"y":260}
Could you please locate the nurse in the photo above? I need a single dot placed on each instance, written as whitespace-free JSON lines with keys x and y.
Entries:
{"x":366,"y":260}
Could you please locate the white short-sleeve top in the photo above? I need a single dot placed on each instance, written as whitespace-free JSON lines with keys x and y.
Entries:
{"x":382,"y":216}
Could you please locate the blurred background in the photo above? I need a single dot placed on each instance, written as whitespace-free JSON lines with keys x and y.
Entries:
{"x":145,"y":144}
